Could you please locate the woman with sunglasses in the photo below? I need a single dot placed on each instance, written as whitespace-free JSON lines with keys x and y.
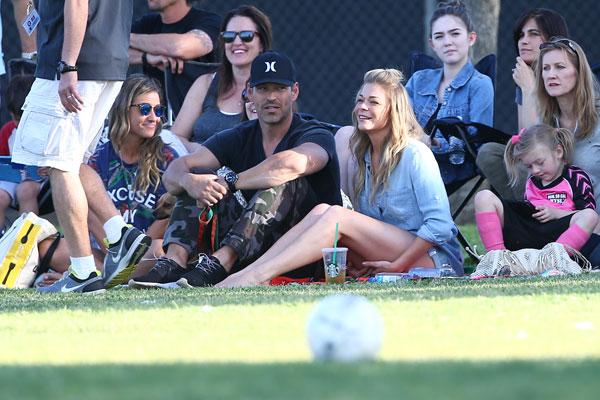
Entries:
{"x":130,"y":166}
{"x":455,"y":90}
{"x":214,"y":103}
{"x":533,"y":28}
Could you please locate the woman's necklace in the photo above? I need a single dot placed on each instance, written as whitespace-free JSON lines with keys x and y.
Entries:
{"x":130,"y":174}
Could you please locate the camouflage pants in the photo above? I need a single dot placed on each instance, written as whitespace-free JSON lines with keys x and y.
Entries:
{"x":249,"y":231}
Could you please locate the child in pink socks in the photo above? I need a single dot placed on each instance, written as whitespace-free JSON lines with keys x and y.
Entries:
{"x":559,"y":203}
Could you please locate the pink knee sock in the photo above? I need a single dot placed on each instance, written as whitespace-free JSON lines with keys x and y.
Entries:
{"x":574,"y":237}
{"x":490,"y":230}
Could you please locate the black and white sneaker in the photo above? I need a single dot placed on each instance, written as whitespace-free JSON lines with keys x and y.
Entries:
{"x":208,"y":272}
{"x":164,"y":271}
{"x":123,"y":256}
{"x":69,"y":283}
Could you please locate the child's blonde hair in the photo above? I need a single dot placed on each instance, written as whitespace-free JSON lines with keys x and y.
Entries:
{"x":524,"y":142}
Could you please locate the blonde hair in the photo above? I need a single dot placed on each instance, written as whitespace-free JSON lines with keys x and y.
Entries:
{"x":527,"y":139}
{"x":586,"y":89}
{"x":403,"y":125}
{"x":151,"y":150}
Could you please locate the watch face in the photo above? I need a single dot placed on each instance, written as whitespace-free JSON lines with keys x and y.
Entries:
{"x":231,"y":177}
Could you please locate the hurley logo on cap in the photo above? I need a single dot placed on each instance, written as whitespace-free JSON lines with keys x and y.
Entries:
{"x":272,"y":67}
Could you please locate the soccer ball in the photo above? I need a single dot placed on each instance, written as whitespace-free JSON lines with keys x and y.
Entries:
{"x":346,"y":328}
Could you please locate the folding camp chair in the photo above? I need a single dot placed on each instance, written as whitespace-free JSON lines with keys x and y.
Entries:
{"x":20,"y":66}
{"x":473,"y":135}
{"x":177,"y":85}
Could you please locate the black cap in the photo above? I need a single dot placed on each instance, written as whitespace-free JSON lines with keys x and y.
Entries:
{"x":272,"y":67}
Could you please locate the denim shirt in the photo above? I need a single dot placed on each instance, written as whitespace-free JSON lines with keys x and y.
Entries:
{"x":470,"y":96}
{"x":414,"y":200}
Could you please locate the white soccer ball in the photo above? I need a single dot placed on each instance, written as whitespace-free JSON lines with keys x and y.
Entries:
{"x":346,"y":328}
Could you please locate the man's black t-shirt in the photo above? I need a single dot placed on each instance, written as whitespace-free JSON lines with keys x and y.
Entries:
{"x":202,"y":20}
{"x":240,"y":148}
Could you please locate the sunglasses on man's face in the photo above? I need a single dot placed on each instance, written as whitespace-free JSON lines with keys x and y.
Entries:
{"x":245,"y":36}
{"x":147,"y":108}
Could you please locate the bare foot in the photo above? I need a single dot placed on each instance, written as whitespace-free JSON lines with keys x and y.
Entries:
{"x":239,"y":279}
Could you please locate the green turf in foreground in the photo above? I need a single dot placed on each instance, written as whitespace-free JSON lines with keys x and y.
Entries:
{"x":517,"y":338}
{"x":430,"y":380}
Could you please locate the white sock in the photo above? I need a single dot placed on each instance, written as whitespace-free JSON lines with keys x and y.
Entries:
{"x":82,"y":267}
{"x":113,"y":228}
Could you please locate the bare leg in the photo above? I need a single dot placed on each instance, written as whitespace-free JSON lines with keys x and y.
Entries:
{"x":27,"y":193}
{"x":5,"y":201}
{"x":357,"y":231}
{"x":97,"y":198}
{"x":487,"y":201}
{"x":586,"y":219}
{"x":71,"y":208}
{"x":178,"y":254}
{"x":292,"y":235}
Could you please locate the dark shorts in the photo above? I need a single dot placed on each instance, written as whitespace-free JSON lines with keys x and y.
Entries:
{"x":522,"y":231}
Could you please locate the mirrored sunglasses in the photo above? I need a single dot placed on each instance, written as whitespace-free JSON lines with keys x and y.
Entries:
{"x":245,"y":36}
{"x":146,"y":108}
{"x":554,"y":44}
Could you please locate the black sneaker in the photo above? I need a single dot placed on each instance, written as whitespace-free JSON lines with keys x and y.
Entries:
{"x":164,"y":271}
{"x":208,"y":272}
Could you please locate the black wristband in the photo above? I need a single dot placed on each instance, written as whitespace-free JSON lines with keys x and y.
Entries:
{"x":144,"y":59}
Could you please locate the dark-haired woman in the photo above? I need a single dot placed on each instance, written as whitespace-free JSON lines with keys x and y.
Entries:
{"x":533,"y":28}
{"x":213,"y":102}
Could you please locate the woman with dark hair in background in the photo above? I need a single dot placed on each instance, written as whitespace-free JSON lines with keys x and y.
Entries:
{"x":533,"y":28}
{"x":214,"y":103}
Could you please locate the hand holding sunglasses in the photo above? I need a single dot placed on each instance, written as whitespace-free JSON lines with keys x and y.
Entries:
{"x":147,"y":108}
{"x":245,"y":36}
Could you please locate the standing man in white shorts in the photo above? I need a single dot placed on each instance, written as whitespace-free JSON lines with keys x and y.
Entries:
{"x":82,"y":62}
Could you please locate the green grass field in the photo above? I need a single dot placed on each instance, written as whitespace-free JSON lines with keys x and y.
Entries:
{"x":448,"y":339}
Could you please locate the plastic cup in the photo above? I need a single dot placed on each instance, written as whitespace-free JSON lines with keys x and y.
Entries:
{"x":335,"y":272}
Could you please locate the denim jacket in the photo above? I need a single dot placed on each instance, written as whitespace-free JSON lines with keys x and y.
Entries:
{"x":470,"y":96}
{"x":414,"y":200}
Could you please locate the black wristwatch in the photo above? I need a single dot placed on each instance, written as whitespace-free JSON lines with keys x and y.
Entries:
{"x":231,"y":178}
{"x":64,"y":67}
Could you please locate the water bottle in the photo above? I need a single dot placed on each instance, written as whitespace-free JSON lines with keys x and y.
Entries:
{"x":424,"y":272}
{"x":389,"y":277}
{"x":456,"y":151}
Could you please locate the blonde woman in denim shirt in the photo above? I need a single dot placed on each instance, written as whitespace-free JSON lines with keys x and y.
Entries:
{"x":403,"y":217}
{"x":456,"y":89}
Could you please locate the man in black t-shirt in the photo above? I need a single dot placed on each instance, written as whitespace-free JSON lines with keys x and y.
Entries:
{"x":283,"y":164}
{"x":176,"y":32}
